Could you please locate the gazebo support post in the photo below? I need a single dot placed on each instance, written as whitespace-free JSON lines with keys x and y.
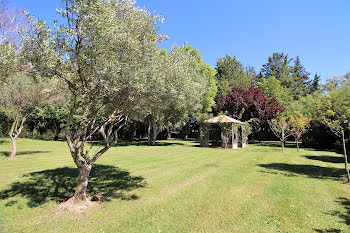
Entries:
{"x":232,"y":136}
{"x":244,"y":143}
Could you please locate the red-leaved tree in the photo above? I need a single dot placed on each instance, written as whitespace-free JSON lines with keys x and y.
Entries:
{"x":251,"y":104}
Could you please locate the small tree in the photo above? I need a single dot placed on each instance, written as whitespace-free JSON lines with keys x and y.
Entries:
{"x":299,"y":125}
{"x":20,"y":95}
{"x":335,"y":112}
{"x":282,"y":128}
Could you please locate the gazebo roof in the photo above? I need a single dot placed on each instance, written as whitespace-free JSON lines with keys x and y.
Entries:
{"x":222,"y":119}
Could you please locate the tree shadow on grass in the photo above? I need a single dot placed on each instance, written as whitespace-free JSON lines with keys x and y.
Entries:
{"x":289,"y":144}
{"x":332,"y":230}
{"x":7,"y":153}
{"x":344,"y":215}
{"x":311,"y":171}
{"x":105,"y":183}
{"x":326,"y":158}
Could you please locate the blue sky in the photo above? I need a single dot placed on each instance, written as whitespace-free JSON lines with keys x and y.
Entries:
{"x":318,"y":31}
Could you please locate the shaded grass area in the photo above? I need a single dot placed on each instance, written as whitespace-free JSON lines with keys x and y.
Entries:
{"x":326,"y":158}
{"x":177,"y":186}
{"x":311,"y":171}
{"x":288,"y":144}
{"x":343,"y":215}
{"x":59,"y":184}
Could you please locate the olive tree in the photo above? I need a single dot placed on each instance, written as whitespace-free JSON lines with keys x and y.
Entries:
{"x":20,"y":95}
{"x":104,"y":53}
{"x":181,"y":87}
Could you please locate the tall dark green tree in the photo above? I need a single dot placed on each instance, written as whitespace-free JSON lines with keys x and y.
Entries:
{"x":251,"y":74}
{"x":231,"y":73}
{"x":293,"y":77}
{"x":315,"y":84}
{"x":278,"y":66}
{"x":299,"y":79}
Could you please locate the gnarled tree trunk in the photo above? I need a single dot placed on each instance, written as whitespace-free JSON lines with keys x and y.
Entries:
{"x":14,"y":149}
{"x":155,"y":134}
{"x":15,"y":131}
{"x":77,"y":140}
{"x":82,"y":183}
{"x":152,"y":131}
{"x":149,"y":130}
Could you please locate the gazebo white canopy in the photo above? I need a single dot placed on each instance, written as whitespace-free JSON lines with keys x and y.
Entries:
{"x":232,"y":132}
{"x":223,"y":119}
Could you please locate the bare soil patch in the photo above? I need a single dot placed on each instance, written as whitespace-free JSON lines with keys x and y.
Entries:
{"x":77,"y":208}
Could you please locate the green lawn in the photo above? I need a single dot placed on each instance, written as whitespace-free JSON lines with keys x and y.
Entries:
{"x":176,"y":187}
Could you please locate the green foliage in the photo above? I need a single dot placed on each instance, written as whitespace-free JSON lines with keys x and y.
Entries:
{"x":278,"y":66}
{"x":273,"y":89}
{"x":246,"y":131}
{"x":4,"y":124}
{"x":49,"y":122}
{"x":182,"y":85}
{"x":292,"y":77}
{"x":307,"y":105}
{"x":231,"y":73}
{"x":281,"y":126}
{"x":211,"y":88}
{"x":336,"y":82}
{"x":335,"y":109}
{"x":299,"y":79}
{"x":315,"y":84}
{"x":300,"y":124}
{"x":20,"y":95}
{"x":8,"y":61}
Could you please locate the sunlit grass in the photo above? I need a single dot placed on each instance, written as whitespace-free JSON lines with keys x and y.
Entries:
{"x":176,"y":187}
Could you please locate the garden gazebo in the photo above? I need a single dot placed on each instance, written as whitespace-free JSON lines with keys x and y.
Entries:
{"x":225,"y":132}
